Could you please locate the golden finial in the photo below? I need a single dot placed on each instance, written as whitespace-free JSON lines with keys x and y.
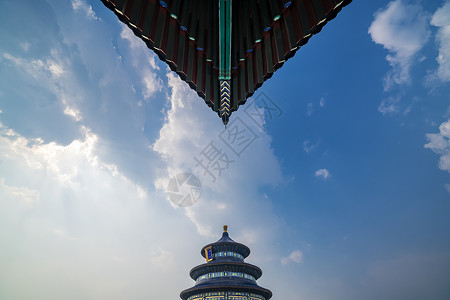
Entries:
{"x":225,"y":228}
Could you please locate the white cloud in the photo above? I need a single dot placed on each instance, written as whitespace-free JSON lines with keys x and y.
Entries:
{"x":151,"y":84}
{"x":389,"y":105}
{"x":55,"y":69}
{"x":441,"y":19}
{"x":73,"y":112}
{"x":62,"y":163}
{"x":402,"y":29}
{"x":52,"y":73}
{"x":162,"y":259}
{"x":309,"y":109}
{"x":182,"y":135}
{"x":296,"y":256}
{"x":144,"y":60}
{"x":323,"y":173}
{"x":308,"y":146}
{"x":447,"y":187}
{"x":63,"y":234}
{"x":21,"y":193}
{"x":25,"y":46}
{"x":322,"y":102}
{"x":62,"y":207}
{"x":310,"y":106}
{"x":37,"y":67}
{"x":83,"y":6}
{"x":440,"y":144}
{"x":221,"y":206}
{"x":188,"y":129}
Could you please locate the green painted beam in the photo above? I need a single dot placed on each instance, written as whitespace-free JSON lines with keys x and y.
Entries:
{"x":225,"y":39}
{"x":225,"y":59}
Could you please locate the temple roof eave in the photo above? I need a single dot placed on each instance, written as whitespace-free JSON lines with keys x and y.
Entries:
{"x":219,"y":281}
{"x":224,"y":266}
{"x":267,"y":294}
{"x":193,"y":54}
{"x":229,"y":246}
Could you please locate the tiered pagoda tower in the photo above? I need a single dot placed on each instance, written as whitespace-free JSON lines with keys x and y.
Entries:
{"x":225,"y":275}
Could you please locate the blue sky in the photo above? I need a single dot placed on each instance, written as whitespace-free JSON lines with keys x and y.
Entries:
{"x":344,"y":193}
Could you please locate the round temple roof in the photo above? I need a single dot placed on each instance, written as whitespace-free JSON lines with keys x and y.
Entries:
{"x":225,"y":243}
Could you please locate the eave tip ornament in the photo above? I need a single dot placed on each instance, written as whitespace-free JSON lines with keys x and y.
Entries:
{"x":225,"y":101}
{"x":225,"y":49}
